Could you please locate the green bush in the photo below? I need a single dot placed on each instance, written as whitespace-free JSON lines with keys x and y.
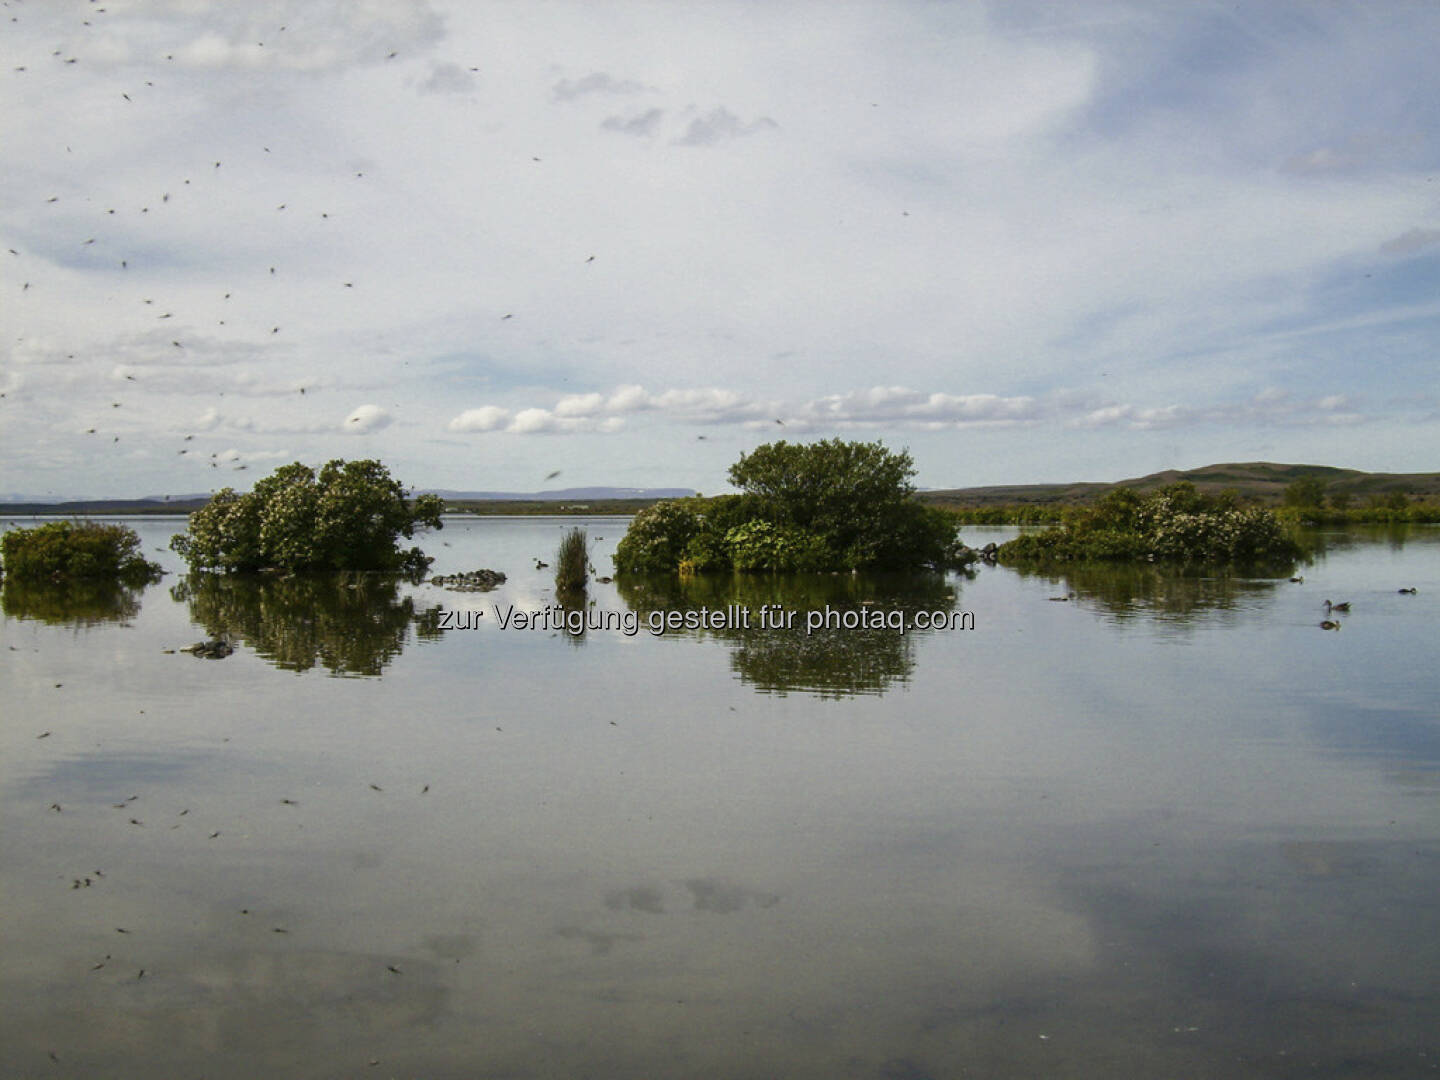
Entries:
{"x":829,"y":505}
{"x":70,"y":550}
{"x":759,"y":545}
{"x":349,"y":516}
{"x":1171,"y":524}
{"x":657,"y":538}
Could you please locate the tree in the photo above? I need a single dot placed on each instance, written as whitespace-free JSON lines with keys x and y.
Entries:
{"x":854,"y":497}
{"x":349,"y":516}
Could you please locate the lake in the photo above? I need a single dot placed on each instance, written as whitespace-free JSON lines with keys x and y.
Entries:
{"x":1120,"y":823}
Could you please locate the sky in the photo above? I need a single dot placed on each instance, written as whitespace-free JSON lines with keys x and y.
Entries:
{"x":488,"y":242}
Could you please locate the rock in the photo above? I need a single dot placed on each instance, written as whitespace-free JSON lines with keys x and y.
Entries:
{"x":474,"y":581}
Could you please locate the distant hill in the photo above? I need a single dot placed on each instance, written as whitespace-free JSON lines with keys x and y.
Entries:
{"x":578,"y":494}
{"x":628,"y":498}
{"x":1261,"y":480}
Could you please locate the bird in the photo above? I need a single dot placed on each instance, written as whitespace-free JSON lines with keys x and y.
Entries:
{"x":1337,"y":607}
{"x":1408,"y":592}
{"x":1329,"y":625}
{"x":551,"y":476}
{"x":1297,"y":580}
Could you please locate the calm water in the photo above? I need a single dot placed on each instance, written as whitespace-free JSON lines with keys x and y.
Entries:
{"x":1166,"y":827}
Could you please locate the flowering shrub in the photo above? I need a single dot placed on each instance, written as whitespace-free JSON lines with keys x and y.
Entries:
{"x":1172,"y":524}
{"x":657,"y":538}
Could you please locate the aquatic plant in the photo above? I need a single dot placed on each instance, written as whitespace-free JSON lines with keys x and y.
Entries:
{"x":572,"y":562}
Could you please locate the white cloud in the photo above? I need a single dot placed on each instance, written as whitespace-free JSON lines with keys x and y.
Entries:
{"x":485,"y":418}
{"x":534,"y":421}
{"x":365,"y":419}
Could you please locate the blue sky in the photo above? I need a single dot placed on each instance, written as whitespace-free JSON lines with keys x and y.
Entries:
{"x":487,"y":241}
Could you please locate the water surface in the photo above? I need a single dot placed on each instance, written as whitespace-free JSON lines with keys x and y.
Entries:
{"x":1163,"y":826}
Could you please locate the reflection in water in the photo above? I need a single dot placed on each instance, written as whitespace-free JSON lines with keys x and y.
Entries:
{"x":783,"y":652}
{"x":76,"y":602}
{"x":1160,"y":593}
{"x":351,"y":624}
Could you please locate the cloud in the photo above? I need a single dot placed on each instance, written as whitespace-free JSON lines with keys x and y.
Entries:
{"x":1411,"y":241}
{"x":367,"y":418}
{"x":897,"y":404}
{"x":595,"y":83}
{"x":294,"y":35}
{"x":485,"y":418}
{"x":579,"y":405}
{"x":448,"y":79}
{"x":721,"y":125}
{"x":1269,"y":408}
{"x":643,"y":124}
{"x":534,"y":421}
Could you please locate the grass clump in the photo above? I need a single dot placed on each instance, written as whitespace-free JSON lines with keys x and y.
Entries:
{"x":572,"y":562}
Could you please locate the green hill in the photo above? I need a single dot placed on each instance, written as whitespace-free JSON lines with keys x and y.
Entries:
{"x":1263,"y":481}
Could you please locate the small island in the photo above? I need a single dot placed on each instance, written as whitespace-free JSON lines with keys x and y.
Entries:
{"x":824,"y":506}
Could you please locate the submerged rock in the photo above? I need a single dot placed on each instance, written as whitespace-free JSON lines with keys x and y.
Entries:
{"x":474,"y":581}
{"x":214,"y":649}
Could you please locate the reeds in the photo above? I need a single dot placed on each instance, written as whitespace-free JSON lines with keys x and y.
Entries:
{"x":572,"y":562}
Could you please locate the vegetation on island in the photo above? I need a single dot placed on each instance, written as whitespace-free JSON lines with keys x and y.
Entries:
{"x":1174,"y":524}
{"x":76,"y":551}
{"x":348,"y":516}
{"x":822,"y":506}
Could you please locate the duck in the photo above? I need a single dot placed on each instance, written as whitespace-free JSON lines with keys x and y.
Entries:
{"x":1329,"y":624}
{"x":1409,"y":592}
{"x":1337,"y":607}
{"x":1298,"y":580}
